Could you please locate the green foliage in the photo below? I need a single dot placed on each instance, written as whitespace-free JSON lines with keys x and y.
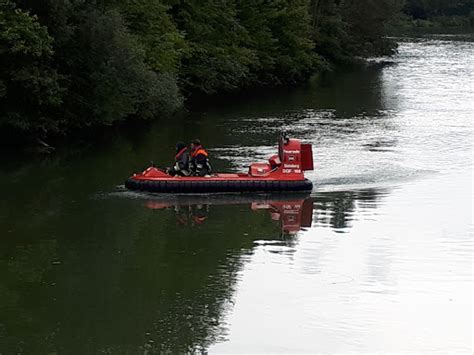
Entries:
{"x":280,"y":40}
{"x":353,"y":28}
{"x":110,"y":79}
{"x":330,"y":31}
{"x":85,"y":63}
{"x":107,"y":70}
{"x":295,"y":58}
{"x":150,"y":22}
{"x":424,"y":9}
{"x":29,"y":87}
{"x":366,"y":21}
{"x":236,"y":44}
{"x":438,"y":15}
{"x":216,"y":58}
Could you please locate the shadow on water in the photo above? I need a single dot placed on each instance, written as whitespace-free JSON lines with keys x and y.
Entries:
{"x":143,"y":272}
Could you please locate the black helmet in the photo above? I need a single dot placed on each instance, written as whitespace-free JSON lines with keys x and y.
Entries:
{"x":179,"y":146}
{"x":196,"y":142}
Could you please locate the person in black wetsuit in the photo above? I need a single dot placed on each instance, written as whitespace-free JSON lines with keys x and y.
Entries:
{"x":181,"y":161}
{"x":200,"y":165}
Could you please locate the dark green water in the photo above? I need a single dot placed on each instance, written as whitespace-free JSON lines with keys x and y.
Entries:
{"x":385,"y":263}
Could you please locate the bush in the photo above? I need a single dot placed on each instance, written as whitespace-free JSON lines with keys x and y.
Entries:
{"x":29,"y":89}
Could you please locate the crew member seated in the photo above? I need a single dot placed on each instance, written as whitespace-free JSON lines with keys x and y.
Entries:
{"x":181,"y":165}
{"x":200,"y":165}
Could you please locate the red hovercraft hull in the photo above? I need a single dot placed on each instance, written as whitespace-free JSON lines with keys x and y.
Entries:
{"x":283,"y":172}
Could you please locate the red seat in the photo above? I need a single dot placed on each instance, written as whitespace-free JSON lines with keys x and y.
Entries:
{"x":274,"y":161}
{"x":259,"y":169}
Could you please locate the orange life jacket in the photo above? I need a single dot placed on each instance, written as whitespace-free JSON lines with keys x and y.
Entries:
{"x":199,"y":219}
{"x":199,"y":150}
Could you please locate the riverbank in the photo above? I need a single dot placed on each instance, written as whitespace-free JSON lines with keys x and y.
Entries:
{"x":30,"y":145}
{"x":82,"y":65}
{"x":437,"y":25}
{"x":76,"y":69}
{"x":442,"y":16}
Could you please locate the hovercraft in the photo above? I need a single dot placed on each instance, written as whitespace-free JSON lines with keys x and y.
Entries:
{"x":283,"y":172}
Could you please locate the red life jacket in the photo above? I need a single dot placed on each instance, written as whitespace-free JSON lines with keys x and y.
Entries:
{"x":181,"y":152}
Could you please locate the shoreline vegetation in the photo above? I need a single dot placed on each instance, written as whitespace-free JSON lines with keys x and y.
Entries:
{"x":434,"y":17}
{"x":441,"y":25}
{"x":69,"y":66}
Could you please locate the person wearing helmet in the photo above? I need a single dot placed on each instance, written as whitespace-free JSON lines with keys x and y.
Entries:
{"x":200,"y":165}
{"x":181,"y":161}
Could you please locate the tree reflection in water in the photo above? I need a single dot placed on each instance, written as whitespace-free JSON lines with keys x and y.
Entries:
{"x":336,"y":209}
{"x":153,"y":275}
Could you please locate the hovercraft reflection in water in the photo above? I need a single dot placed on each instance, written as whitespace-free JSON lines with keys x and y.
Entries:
{"x":293,"y":212}
{"x":283,"y":172}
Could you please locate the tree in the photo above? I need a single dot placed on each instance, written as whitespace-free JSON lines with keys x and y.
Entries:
{"x":106,"y":73}
{"x":73,"y":64}
{"x":344,"y":29}
{"x":366,"y":24}
{"x":216,"y":59}
{"x":296,"y":60}
{"x":29,"y":88}
{"x":424,"y":9}
{"x":236,"y":44}
{"x":150,"y":22}
{"x":110,"y":79}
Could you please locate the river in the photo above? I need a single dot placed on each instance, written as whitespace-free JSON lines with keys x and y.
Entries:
{"x":379,"y":258}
